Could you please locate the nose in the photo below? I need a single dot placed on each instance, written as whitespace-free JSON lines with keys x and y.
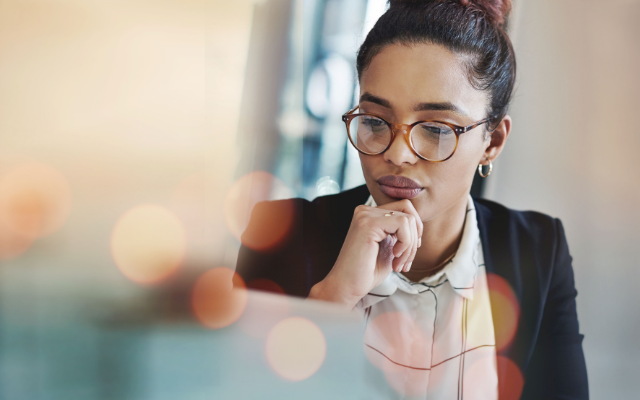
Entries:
{"x":400,"y":152}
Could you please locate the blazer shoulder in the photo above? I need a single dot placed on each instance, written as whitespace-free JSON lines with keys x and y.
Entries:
{"x":295,"y":242}
{"x":325,"y":211}
{"x":330,"y":207}
{"x":349,"y":199}
{"x":534,"y":222}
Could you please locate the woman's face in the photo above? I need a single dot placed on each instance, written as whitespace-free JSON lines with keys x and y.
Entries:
{"x":409,"y":83}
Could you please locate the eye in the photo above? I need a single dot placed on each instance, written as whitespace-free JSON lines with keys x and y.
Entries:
{"x":434,"y":129}
{"x":374,"y":124}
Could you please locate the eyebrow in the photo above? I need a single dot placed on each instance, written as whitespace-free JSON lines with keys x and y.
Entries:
{"x":431,"y":106}
{"x":366,"y":96}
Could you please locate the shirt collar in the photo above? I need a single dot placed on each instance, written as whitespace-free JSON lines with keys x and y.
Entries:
{"x":460,"y":272}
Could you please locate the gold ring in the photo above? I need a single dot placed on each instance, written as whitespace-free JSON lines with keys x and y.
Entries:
{"x":389,"y":214}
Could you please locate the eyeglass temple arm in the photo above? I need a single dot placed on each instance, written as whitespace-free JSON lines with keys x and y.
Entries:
{"x":477,"y":124}
{"x":344,"y":117}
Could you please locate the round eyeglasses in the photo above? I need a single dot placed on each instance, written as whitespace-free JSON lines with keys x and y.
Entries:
{"x":434,"y":141}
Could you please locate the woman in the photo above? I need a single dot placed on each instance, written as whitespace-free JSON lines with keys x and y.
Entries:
{"x":462,"y":298}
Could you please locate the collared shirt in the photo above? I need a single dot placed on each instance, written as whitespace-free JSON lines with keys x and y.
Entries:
{"x":433,"y":339}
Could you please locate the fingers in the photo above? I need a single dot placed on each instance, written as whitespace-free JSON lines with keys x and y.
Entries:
{"x":407,"y":235}
{"x":414,"y":248}
{"x":407,"y":207}
{"x":412,"y":256}
{"x":406,"y":254}
{"x":406,"y":227}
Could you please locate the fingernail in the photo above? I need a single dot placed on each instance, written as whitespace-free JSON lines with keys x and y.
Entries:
{"x":409,"y":267}
{"x":420,"y":242}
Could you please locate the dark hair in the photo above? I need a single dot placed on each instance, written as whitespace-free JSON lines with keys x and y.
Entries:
{"x":470,"y":27}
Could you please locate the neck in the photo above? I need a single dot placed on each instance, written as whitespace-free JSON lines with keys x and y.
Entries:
{"x":440,"y":240}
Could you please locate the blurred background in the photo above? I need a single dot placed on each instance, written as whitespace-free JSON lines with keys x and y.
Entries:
{"x":136,"y":136}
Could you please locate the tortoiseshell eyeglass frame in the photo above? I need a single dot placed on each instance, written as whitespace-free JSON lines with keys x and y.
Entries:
{"x":406,"y":130}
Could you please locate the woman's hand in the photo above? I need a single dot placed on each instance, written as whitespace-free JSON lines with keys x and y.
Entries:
{"x":379,"y":239}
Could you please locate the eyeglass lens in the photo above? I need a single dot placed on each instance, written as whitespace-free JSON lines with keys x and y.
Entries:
{"x":432,"y":140}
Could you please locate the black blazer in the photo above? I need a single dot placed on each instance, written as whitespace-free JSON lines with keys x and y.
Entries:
{"x":528,"y":249}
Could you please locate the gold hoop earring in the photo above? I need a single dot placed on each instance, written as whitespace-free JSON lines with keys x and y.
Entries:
{"x":488,"y":173}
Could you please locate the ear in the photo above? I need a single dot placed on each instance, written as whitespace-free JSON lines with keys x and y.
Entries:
{"x":496,"y":141}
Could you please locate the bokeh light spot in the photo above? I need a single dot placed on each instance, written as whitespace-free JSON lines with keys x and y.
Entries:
{"x":509,"y":388}
{"x":265,"y":285}
{"x":505,"y":310}
{"x":296,"y":348}
{"x":219,"y":298}
{"x":35,"y":201}
{"x":269,"y":227}
{"x":148,"y":244}
{"x":12,"y":245}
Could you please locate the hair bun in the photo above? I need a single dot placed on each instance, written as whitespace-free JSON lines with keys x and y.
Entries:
{"x":496,"y":11}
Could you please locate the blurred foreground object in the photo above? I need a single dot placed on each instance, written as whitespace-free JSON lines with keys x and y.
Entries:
{"x":287,"y":348}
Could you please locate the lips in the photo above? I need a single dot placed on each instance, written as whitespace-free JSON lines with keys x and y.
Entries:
{"x":399,"y":187}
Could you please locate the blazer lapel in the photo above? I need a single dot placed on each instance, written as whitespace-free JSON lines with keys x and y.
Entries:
{"x":508,"y":253}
